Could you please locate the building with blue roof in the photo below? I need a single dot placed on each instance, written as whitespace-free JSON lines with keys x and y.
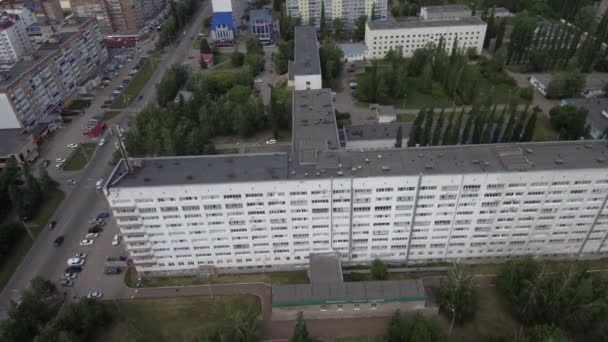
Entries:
{"x":222,"y":28}
{"x":261,"y":25}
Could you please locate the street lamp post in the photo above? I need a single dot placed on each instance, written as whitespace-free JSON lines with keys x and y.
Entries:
{"x":453,"y":319}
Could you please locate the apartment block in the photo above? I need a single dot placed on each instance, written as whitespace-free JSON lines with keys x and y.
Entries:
{"x":118,"y":15}
{"x":408,"y":36}
{"x":48,"y":16}
{"x":254,"y":212}
{"x":33,"y":91}
{"x":347,"y":10}
{"x":14,"y":41}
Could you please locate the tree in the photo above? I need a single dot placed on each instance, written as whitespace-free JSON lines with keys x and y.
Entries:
{"x":428,"y":128}
{"x":323,"y":30}
{"x":237,"y":58}
{"x":283,"y":56}
{"x":490,"y":30}
{"x":585,"y":18}
{"x":242,"y":326}
{"x":277,"y":5}
{"x":412,"y":328}
{"x":438,"y":131}
{"x":456,"y":295}
{"x":530,"y":127}
{"x":416,"y":131}
{"x":544,"y":333}
{"x":359,"y":32}
{"x":500,"y":34}
{"x":455,"y":138}
{"x":466,"y":132}
{"x":331,"y":57}
{"x":46,"y":182}
{"x":566,"y":84}
{"x":521,"y":37}
{"x":205,"y":46}
{"x":569,"y":121}
{"x":379,"y":270}
{"x":519,"y":127}
{"x":300,"y":331}
{"x":399,"y":138}
{"x":445,"y":138}
{"x":338,"y":27}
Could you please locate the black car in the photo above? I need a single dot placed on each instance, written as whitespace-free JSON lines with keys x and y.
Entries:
{"x":52,"y":224}
{"x":58,"y":241}
{"x":112,"y":270}
{"x":46,"y":163}
{"x":73,"y":269}
{"x":105,"y":106}
{"x":95,"y":229}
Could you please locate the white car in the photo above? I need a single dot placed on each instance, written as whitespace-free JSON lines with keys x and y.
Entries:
{"x":87,"y":242}
{"x":92,"y":236}
{"x":116,"y":92}
{"x":353,"y":84}
{"x":73,"y":145}
{"x":95,"y":295}
{"x":72,"y":182}
{"x":75,"y":262}
{"x":116,"y":240}
{"x":258,"y":80}
{"x":102,"y":142}
{"x":99,"y":184}
{"x":68,"y":276}
{"x":81,"y":255}
{"x":60,"y":160}
{"x":58,"y":166}
{"x":333,"y":94}
{"x":271,"y":142}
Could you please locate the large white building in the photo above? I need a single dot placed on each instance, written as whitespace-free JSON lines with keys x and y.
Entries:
{"x":253,"y":212}
{"x":347,"y":10}
{"x":408,"y":36}
{"x":14,"y":41}
{"x":34,"y":90}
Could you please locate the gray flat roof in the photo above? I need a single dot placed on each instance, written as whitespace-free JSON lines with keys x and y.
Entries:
{"x":353,"y":292}
{"x":382,"y":131}
{"x":306,"y":51}
{"x":12,"y":140}
{"x":260,"y":14}
{"x":446,"y":8}
{"x":459,"y":159}
{"x":591,"y":81}
{"x":350,"y":49}
{"x":325,"y":268}
{"x":596,"y":107}
{"x":205,"y":170}
{"x":419,"y":23}
{"x":314,"y":124}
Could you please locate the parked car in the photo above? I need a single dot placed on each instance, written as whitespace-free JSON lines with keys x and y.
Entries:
{"x":103,"y":215}
{"x":105,"y":105}
{"x":81,"y":255}
{"x":58,"y":241}
{"x":92,"y":236}
{"x":72,"y":182}
{"x":95,"y":295}
{"x":46,"y":163}
{"x":52,"y":224}
{"x":95,"y":230}
{"x":66,"y":283}
{"x":102,"y":142}
{"x":112,"y":270}
{"x":69,"y":275}
{"x":271,"y":142}
{"x":72,"y":145}
{"x":60,"y":160}
{"x":116,"y":240}
{"x":87,"y":242}
{"x":75,"y":262}
{"x":116,"y":92}
{"x":73,"y":269}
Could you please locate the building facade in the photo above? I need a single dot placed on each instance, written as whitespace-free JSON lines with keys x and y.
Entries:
{"x":14,"y":41}
{"x":35,"y":89}
{"x":408,"y":36}
{"x":48,"y":16}
{"x":347,"y":10}
{"x":261,"y":25}
{"x":118,"y":15}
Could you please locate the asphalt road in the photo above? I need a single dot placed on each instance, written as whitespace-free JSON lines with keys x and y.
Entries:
{"x":82,"y":200}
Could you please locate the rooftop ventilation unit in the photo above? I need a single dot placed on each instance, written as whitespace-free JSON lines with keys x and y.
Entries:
{"x":559,"y":161}
{"x":340,"y":173}
{"x":529,"y":151}
{"x":475,"y":161}
{"x":367,"y":160}
{"x":386,"y":168}
{"x":428,"y":166}
{"x":379,"y":156}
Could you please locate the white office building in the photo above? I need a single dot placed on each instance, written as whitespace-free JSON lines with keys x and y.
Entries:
{"x":14,"y":41}
{"x":256,"y":212}
{"x":347,"y":10}
{"x":408,"y":36}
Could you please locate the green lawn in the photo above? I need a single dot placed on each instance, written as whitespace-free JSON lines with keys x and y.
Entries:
{"x":295,"y":277}
{"x":406,"y":118}
{"x":36,"y":224}
{"x":109,"y":115}
{"x":222,"y":62}
{"x":79,"y":104}
{"x":360,"y":339}
{"x":137,"y":84}
{"x":80,"y":157}
{"x":175,"y":319}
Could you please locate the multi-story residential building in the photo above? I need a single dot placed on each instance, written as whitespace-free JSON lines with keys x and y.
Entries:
{"x":270,"y":211}
{"x":445,"y":12}
{"x":118,"y":15}
{"x":35,"y":88}
{"x":347,"y":10}
{"x":261,"y":25}
{"x":48,"y":13}
{"x":14,"y":41}
{"x":408,"y":36}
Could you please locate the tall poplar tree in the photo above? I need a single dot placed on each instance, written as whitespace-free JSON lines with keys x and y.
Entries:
{"x":438,"y":131}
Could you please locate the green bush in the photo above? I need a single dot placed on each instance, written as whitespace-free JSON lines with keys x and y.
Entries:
{"x":526,"y":93}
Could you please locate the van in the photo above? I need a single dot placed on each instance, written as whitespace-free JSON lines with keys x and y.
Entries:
{"x":99,"y":184}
